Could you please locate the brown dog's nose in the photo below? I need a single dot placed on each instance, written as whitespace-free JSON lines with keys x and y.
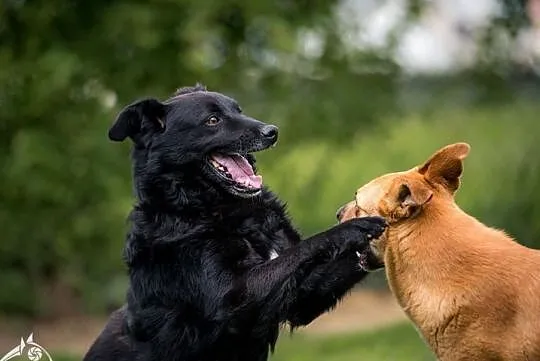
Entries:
{"x":339,"y":212}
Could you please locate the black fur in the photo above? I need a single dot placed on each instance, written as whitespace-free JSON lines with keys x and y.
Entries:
{"x":202,"y":285}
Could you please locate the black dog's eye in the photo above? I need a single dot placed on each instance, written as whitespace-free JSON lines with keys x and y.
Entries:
{"x":213,"y":120}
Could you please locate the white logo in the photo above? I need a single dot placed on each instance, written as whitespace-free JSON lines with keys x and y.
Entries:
{"x":30,"y":349}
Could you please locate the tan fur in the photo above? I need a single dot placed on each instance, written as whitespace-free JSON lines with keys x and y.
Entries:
{"x":472,"y":291}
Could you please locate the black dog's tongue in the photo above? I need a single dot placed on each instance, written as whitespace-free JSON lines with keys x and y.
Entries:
{"x":240,"y":169}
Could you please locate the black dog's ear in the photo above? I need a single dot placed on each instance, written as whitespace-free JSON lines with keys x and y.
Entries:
{"x":131,"y":120}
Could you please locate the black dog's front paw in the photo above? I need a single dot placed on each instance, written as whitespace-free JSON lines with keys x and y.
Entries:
{"x":356,"y":234}
{"x":370,"y":227}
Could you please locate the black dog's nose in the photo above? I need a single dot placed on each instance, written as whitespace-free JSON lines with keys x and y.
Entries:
{"x":339,"y":212}
{"x":270,"y":132}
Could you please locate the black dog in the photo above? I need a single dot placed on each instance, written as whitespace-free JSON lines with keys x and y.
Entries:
{"x":215,"y":265}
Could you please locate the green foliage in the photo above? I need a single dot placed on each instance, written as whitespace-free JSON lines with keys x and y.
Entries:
{"x":65,"y":190}
{"x":500,"y":172}
{"x":66,"y":68}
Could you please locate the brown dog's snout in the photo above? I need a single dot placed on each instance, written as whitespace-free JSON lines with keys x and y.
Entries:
{"x":339,"y":212}
{"x":347,"y":211}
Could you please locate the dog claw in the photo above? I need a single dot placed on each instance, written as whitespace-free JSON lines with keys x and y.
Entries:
{"x":358,"y":254}
{"x":369,"y":236}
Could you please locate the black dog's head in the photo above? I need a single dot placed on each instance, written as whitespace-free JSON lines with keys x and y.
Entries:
{"x":205,"y":130}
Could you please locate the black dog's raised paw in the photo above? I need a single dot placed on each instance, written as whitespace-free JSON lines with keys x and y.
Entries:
{"x":371,"y":227}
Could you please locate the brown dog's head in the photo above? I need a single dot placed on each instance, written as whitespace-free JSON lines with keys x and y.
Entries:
{"x":402,"y":196}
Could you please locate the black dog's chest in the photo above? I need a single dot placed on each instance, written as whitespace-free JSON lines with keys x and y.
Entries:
{"x":244,"y":252}
{"x":265,"y":252}
{"x":246,"y":245}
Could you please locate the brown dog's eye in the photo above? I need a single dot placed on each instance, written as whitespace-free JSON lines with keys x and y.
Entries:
{"x":213,"y":120}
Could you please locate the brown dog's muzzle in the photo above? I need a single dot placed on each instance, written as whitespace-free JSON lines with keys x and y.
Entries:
{"x":339,"y":212}
{"x":351,"y":210}
{"x":347,"y":211}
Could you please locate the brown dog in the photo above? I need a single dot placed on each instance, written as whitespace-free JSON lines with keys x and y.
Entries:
{"x":472,"y":291}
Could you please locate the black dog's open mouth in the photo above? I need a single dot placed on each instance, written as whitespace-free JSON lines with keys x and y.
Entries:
{"x":236,"y":171}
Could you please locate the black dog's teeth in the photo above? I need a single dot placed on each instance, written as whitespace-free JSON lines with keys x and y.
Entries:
{"x":221,"y":168}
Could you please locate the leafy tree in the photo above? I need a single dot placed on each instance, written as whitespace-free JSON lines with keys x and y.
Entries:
{"x":66,"y":68}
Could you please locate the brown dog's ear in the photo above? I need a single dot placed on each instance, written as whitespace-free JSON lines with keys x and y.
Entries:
{"x":411,"y":198}
{"x":446,"y":165}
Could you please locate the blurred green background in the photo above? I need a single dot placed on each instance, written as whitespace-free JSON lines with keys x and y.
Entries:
{"x":357,"y":87}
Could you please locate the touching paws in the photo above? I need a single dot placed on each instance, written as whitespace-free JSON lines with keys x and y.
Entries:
{"x":371,"y":227}
{"x":357,"y":233}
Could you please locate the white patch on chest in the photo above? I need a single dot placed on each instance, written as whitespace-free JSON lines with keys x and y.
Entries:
{"x":428,"y":307}
{"x":273,"y":254}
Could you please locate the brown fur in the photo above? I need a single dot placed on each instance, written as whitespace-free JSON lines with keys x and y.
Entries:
{"x":472,"y":291}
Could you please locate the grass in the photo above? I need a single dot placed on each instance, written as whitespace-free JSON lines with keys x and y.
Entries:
{"x":396,"y":343}
{"x":59,"y":356}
